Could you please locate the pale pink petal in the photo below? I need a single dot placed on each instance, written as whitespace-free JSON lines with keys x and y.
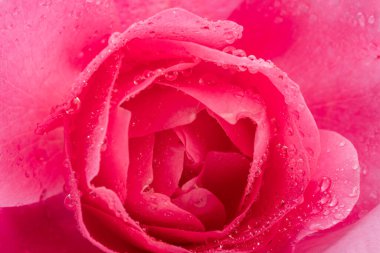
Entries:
{"x":334,"y":57}
{"x":362,"y":236}
{"x":39,"y":62}
{"x":42,"y":227}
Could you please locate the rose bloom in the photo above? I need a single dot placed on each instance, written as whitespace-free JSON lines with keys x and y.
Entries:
{"x":219,"y":126}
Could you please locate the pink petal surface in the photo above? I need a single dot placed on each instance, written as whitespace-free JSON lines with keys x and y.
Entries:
{"x":131,"y":11}
{"x":202,"y":136}
{"x":39,"y":57}
{"x":43,"y":227}
{"x":102,"y":210}
{"x":167,"y":162}
{"x":114,"y":161}
{"x":225,"y":171}
{"x":172,"y":108}
{"x":359,"y":237}
{"x":204,"y":205}
{"x":320,"y":52}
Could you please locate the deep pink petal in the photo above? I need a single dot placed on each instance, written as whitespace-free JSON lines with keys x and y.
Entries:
{"x":114,"y":161}
{"x":39,"y":62}
{"x":205,"y":205}
{"x":202,"y":136}
{"x":140,"y":170}
{"x":135,"y":10}
{"x":225,"y":171}
{"x":167,"y":162}
{"x":242,"y":134}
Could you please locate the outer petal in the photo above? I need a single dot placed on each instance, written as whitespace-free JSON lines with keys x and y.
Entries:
{"x":38,"y":62}
{"x":131,"y":11}
{"x":360,"y":237}
{"x":57,"y":230}
{"x":335,"y":60}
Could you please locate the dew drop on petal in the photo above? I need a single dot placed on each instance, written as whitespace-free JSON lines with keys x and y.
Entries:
{"x":325,"y":184}
{"x":354,"y":192}
{"x":333,"y":202}
{"x":171,"y":75}
{"x":69,"y":202}
{"x":74,"y":105}
{"x":361,"y":19}
{"x":371,"y":20}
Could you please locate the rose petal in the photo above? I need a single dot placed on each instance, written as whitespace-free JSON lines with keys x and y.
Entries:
{"x":204,"y":205}
{"x":134,"y":10}
{"x":84,"y":141}
{"x":225,"y":170}
{"x":39,"y":61}
{"x":57,"y":230}
{"x":242,"y":134}
{"x":340,"y":99}
{"x":359,"y":237}
{"x":172,"y":108}
{"x":140,"y":171}
{"x":155,"y":209}
{"x":201,"y":136}
{"x":167,"y":162}
{"x":114,"y":161}
{"x":101,"y":210}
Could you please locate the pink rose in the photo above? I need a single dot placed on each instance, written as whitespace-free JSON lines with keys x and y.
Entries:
{"x":165,"y":137}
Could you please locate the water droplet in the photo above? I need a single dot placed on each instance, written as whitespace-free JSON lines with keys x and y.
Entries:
{"x":69,"y":202}
{"x":338,"y":216}
{"x":171,"y":75}
{"x":333,"y":202}
{"x":229,"y":49}
{"x":139,"y":80}
{"x":251,"y":57}
{"x":200,"y":201}
{"x":290,"y":131}
{"x":325,"y":184}
{"x":239,"y":52}
{"x":74,"y":106}
{"x":229,"y":37}
{"x":361,"y":19}
{"x":356,"y":167}
{"x":371,"y":20}
{"x":342,"y":144}
{"x":354,"y":192}
{"x":325,"y":198}
{"x":104,"y":145}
